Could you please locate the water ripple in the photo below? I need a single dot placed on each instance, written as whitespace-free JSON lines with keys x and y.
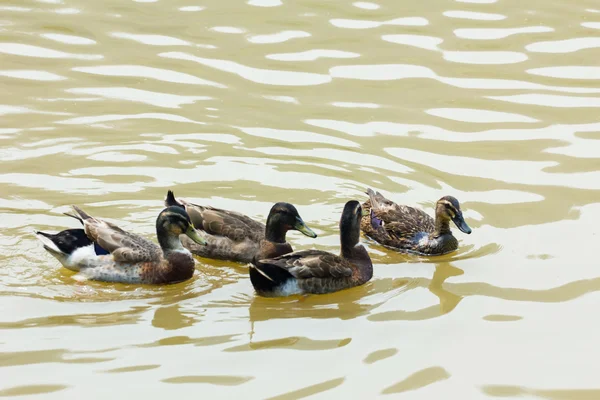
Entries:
{"x":265,"y":3}
{"x":364,"y":24}
{"x":297,"y":136}
{"x":478,"y":116}
{"x":568,"y":72}
{"x":550,"y":100}
{"x":68,"y":39}
{"x":120,"y":117}
{"x":142,"y":71}
{"x":191,"y":8}
{"x":154,"y":40}
{"x":564,"y":46}
{"x":257,"y":75}
{"x":312,"y":55}
{"x":381,"y":72}
{"x":474,"y":15}
{"x":141,"y":96}
{"x":523,"y":172}
{"x":498,"y":33}
{"x":420,"y":41}
{"x":33,"y":75}
{"x":485,"y":57}
{"x":28,"y":50}
{"x":366,"y":5}
{"x":278,"y":37}
{"x":591,"y":25}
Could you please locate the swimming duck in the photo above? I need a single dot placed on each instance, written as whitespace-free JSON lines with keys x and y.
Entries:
{"x":102,"y":251}
{"x":411,"y":230}
{"x":235,"y":237}
{"x":317,"y":271}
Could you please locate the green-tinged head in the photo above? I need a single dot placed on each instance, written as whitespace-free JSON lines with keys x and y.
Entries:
{"x":175,"y":221}
{"x":282,"y":218}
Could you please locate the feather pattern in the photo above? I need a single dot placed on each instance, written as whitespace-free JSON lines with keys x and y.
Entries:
{"x":125,"y":247}
{"x":317,"y":271}
{"x":233,"y":236}
{"x":409,"y":229}
{"x":132,"y":258}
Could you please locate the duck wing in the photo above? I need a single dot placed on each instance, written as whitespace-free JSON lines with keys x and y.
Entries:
{"x":380,"y":204}
{"x":306,"y":264}
{"x":393,"y":224}
{"x":124,"y":246}
{"x":219,"y":222}
{"x":230,"y":224}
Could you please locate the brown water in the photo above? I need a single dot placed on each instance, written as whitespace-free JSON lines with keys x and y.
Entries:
{"x":108,"y":104}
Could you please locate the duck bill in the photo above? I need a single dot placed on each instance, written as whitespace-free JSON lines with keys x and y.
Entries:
{"x":194,"y":235}
{"x":461,"y":224}
{"x":364,"y":212}
{"x":301,"y":226}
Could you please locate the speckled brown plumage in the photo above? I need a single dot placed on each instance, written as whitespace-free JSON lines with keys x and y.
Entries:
{"x":409,"y":229}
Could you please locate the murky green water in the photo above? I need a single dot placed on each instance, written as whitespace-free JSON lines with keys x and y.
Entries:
{"x":241,"y":104}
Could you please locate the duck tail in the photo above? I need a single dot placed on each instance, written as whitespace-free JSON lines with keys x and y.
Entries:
{"x":81,"y":213}
{"x":78,"y":218}
{"x":47,"y":240}
{"x":171,"y":201}
{"x":373,"y":197}
{"x":267,"y":278}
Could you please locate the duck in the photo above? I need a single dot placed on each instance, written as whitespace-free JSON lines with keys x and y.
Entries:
{"x":315,"y":271}
{"x":410,"y":230}
{"x":102,"y":251}
{"x":232,"y":236}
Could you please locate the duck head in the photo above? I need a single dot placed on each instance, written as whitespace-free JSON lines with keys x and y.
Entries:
{"x":282,"y":218}
{"x":350,"y":223}
{"x":448,"y":209}
{"x":172,"y":222}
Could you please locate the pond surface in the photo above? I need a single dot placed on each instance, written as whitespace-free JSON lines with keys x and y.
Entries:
{"x":235,"y":104}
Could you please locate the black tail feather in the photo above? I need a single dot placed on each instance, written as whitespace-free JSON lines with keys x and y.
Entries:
{"x":267,"y":278}
{"x":48,"y":235}
{"x":68,"y":240}
{"x":171,"y":201}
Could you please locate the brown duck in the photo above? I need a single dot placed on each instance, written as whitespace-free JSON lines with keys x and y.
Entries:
{"x":104,"y":252}
{"x":316,"y":271}
{"x":235,"y":237}
{"x":411,"y":230}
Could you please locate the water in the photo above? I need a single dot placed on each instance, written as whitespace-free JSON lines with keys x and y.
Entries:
{"x":109,"y":104}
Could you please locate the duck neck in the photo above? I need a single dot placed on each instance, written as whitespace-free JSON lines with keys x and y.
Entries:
{"x":359,"y":256}
{"x":275,"y":231}
{"x":442,"y":227}
{"x":169,"y":242}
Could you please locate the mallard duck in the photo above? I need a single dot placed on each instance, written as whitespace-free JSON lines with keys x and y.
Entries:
{"x":235,"y":237}
{"x":411,"y":230}
{"x":316,"y":271}
{"x":102,"y":251}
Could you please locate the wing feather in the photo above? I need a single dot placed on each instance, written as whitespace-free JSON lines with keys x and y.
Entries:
{"x":230,"y":224}
{"x":308,"y":264}
{"x":124,"y":246}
